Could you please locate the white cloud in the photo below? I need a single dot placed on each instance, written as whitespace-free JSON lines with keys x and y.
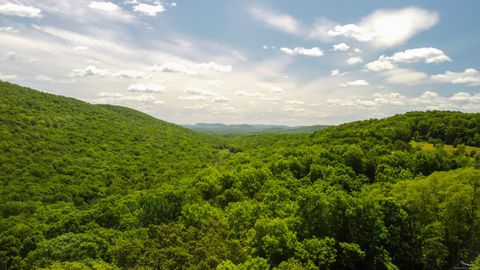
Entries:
{"x":387,"y":28}
{"x":319,"y":30}
{"x":98,"y":40}
{"x":367,"y":103}
{"x":197,"y":107}
{"x":214,"y":66}
{"x":277,"y":90}
{"x":340,"y":102}
{"x":196,"y":91}
{"x":337,"y":73}
{"x":279,"y":21}
{"x":315,"y":51}
{"x":458,"y":101}
{"x":104,"y":6}
{"x":9,"y":29}
{"x":469,"y":76}
{"x":109,"y":95}
{"x":75,"y":12}
{"x":394,"y":27}
{"x":223,"y":109}
{"x":13,"y":56}
{"x":274,"y":100}
{"x":147,"y":88}
{"x":405,"y":76}
{"x":357,"y":50}
{"x":382,"y":28}
{"x":195,"y":94}
{"x":428,"y":55}
{"x":92,"y":61}
{"x":355,"y":83}
{"x":80,"y":48}
{"x":248,"y":94}
{"x":8,"y":78}
{"x":117,"y":98}
{"x":215,"y":83}
{"x":149,"y":10}
{"x":179,"y":68}
{"x":90,"y":71}
{"x":377,"y":99}
{"x":172,"y":67}
{"x":290,"y":25}
{"x":352,"y":31}
{"x":466,"y":97}
{"x":173,"y":4}
{"x":354,"y":60}
{"x":43,"y":78}
{"x":221,"y":99}
{"x":389,"y":99}
{"x":427,"y":100}
{"x":130,"y":74}
{"x":294,"y":102}
{"x":290,"y":108}
{"x":461,"y":96}
{"x":193,"y":97}
{"x":20,"y":10}
{"x":381,"y":64}
{"x":340,"y":47}
{"x":9,"y":56}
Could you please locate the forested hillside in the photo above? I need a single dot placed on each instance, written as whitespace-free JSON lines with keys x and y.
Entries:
{"x":104,"y":187}
{"x":433,"y":126}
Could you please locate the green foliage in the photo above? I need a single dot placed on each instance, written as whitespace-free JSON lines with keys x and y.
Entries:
{"x":350,"y":254}
{"x":318,"y":252}
{"x":69,"y":247}
{"x":67,"y":150}
{"x":84,"y":265}
{"x":274,"y":240}
{"x":476,"y":264}
{"x":432,"y":126}
{"x":160,"y":208}
{"x":105,"y":187}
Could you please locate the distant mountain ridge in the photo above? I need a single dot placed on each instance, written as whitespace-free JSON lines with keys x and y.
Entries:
{"x":246,"y":128}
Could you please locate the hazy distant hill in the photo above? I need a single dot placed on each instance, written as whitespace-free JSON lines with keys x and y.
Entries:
{"x":245,"y":128}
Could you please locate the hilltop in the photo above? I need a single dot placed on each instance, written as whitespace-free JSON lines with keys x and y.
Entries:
{"x":446,"y":127}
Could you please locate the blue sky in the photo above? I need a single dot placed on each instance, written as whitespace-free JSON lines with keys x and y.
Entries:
{"x":259,"y":62}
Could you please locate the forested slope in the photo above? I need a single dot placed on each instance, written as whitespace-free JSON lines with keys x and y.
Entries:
{"x":79,"y":152}
{"x":432,"y":126}
{"x":103,"y":187}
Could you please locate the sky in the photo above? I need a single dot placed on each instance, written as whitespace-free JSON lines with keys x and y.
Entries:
{"x":240,"y":61}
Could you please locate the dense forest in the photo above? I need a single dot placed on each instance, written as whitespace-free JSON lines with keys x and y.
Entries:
{"x":104,"y":187}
